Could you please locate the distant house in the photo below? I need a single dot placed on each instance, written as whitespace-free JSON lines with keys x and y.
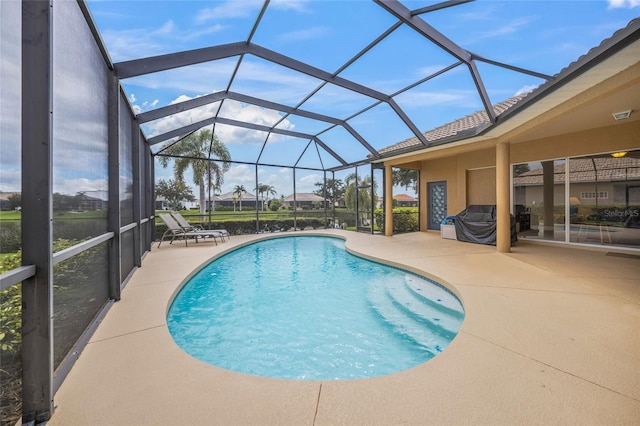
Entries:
{"x":401,"y":200}
{"x":404,"y":200}
{"x":248,"y":200}
{"x":89,"y":203}
{"x":163,"y":204}
{"x":305,"y":200}
{"x":4,"y":199}
{"x":93,"y":200}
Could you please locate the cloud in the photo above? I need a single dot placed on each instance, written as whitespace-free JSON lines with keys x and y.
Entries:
{"x":132,"y":44}
{"x":504,"y":29}
{"x":627,"y":4}
{"x":295,"y":5}
{"x":10,"y":179}
{"x":254,"y":114}
{"x":146,"y":105}
{"x":227,"y":134}
{"x":483,"y":14}
{"x":228,"y":9}
{"x":213,"y":29}
{"x":526,"y":89}
{"x":201,"y":78}
{"x":279,"y":178}
{"x":307,"y":183}
{"x":168,"y":28}
{"x":72,"y":186}
{"x":10,"y":96}
{"x":257,"y":77}
{"x":312,"y":33}
{"x":145,"y":42}
{"x":415,"y":98}
{"x":240,"y":174}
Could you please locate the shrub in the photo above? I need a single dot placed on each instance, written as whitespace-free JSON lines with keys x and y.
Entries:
{"x":10,"y":236}
{"x":10,"y":345}
{"x":405,"y":219}
{"x":11,"y":309}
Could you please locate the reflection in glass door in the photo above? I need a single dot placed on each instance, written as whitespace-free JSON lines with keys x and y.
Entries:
{"x":538,"y":198}
{"x":597,"y":203}
{"x":605,"y":199}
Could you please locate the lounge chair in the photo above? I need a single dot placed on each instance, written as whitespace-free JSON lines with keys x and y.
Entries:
{"x":188,"y":227}
{"x":175,"y":230}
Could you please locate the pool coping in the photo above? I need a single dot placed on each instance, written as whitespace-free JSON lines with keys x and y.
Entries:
{"x":533,"y":348}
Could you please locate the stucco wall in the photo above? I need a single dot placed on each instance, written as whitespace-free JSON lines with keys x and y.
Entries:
{"x":618,"y":137}
{"x":455,"y":168}
{"x":481,"y":186}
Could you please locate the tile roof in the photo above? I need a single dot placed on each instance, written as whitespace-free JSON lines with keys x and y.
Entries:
{"x":582,"y":170}
{"x":467,"y":126}
{"x":230,"y":195}
{"x":404,"y":197}
{"x":300,"y":196}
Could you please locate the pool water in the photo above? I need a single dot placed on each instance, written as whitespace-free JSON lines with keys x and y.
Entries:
{"x":304,"y":308}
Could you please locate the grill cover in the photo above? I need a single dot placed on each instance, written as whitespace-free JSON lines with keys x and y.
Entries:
{"x":477,"y":224}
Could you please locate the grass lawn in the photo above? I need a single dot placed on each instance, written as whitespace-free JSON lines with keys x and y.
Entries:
{"x":10,"y":215}
{"x":245,"y":215}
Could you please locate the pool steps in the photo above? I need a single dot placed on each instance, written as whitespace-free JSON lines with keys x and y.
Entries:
{"x":423,"y":311}
{"x":434,"y":295}
{"x":413,"y":315}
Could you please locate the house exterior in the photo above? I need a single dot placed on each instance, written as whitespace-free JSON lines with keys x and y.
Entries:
{"x":230,"y":199}
{"x":306,"y":201}
{"x":586,"y":119}
{"x":4,"y":199}
{"x":405,"y":200}
{"x":163,"y":204}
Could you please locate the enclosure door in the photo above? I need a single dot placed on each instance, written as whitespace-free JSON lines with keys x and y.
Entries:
{"x":437,"y":210}
{"x":364,"y":208}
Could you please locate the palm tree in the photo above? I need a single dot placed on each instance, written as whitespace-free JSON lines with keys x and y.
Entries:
{"x":261,"y":188}
{"x":239,"y":190}
{"x":270,"y":191}
{"x":195,"y":151}
{"x":362,"y":189}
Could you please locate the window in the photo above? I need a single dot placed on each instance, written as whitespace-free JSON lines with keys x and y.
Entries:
{"x":591,"y":195}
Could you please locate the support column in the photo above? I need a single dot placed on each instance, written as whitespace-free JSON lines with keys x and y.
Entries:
{"x":37,"y":210}
{"x":113,"y":212}
{"x":150,"y":188}
{"x":388,"y":200}
{"x":503,"y":200}
{"x":137,"y":191}
{"x":547,"y":199}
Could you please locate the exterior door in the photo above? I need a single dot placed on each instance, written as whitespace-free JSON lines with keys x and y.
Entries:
{"x":437,"y":203}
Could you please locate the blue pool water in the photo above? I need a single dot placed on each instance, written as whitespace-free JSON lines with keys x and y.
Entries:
{"x":305,"y":308}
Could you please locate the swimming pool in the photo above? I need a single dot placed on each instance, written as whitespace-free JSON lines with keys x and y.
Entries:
{"x":302,"y":307}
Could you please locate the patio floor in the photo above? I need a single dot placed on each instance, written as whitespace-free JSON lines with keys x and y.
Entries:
{"x":551,"y":336}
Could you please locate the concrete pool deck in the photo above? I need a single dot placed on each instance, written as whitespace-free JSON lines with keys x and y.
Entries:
{"x":551,"y":336}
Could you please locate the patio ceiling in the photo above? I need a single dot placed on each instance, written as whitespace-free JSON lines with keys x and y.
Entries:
{"x":322,"y":111}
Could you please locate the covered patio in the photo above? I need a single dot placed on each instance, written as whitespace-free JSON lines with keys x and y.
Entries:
{"x":550,"y":336}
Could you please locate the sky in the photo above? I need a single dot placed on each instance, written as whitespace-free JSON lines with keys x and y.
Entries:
{"x":541,"y":36}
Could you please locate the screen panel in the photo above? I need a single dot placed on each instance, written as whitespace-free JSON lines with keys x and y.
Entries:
{"x":80,"y":128}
